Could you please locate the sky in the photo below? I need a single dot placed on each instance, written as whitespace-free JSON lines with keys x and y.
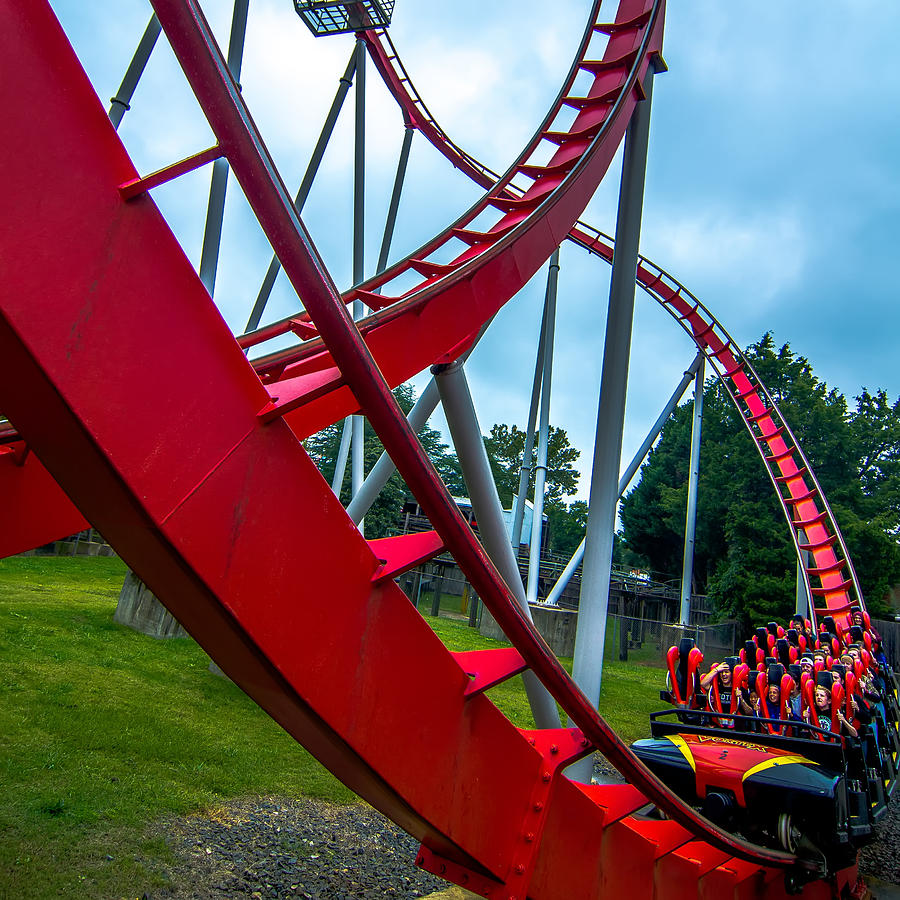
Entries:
{"x":772,"y":187}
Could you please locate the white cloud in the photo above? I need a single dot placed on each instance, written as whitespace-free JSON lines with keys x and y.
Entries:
{"x":765,"y":253}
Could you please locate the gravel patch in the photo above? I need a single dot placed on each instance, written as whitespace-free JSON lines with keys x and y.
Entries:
{"x":881,"y":859}
{"x":271,"y":848}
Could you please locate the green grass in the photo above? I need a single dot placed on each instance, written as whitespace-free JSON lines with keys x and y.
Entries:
{"x":104,"y":731}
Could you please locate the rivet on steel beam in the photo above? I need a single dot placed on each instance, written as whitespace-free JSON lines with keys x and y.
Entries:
{"x":531,"y":741}
{"x":554,"y":748}
{"x":520,"y":869}
{"x":546,"y":776}
{"x":538,"y":806}
{"x":529,"y":837}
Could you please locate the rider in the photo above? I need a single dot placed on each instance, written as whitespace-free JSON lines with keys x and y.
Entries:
{"x":718,"y":684}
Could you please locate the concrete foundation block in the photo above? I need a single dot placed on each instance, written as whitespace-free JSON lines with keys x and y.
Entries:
{"x":557,"y":626}
{"x":139,"y":609}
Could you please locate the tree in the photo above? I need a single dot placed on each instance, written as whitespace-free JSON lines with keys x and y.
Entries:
{"x":505,"y":447}
{"x":744,"y":557}
{"x":567,"y":525}
{"x":382,"y":518}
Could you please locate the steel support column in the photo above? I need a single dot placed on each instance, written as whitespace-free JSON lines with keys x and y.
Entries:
{"x":540,"y":469}
{"x":466,"y":434}
{"x":121,"y":102}
{"x":309,"y":176}
{"x":690,"y":521}
{"x":362,"y":500}
{"x":394,"y":205}
{"x":525,"y":468}
{"x":591,"y":632}
{"x":215,"y":210}
{"x":630,"y":472}
{"x":358,"y":423}
{"x":340,"y":461}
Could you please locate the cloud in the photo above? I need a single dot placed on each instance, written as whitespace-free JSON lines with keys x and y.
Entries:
{"x":765,"y":252}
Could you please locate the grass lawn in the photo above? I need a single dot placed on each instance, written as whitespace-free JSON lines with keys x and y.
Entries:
{"x":104,"y":731}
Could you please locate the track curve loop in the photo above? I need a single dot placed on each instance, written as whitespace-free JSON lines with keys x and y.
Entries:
{"x":222,"y":515}
{"x":828,"y":569}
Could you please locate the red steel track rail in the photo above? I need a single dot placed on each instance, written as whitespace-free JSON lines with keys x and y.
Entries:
{"x":226,"y":519}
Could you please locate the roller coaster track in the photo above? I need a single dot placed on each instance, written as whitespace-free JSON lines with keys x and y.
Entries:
{"x":224,"y":516}
{"x":829,"y":570}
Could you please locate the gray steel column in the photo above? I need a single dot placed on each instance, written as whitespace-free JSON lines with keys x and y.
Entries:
{"x":384,"y":468}
{"x":631,"y":471}
{"x":312,"y":169}
{"x":525,"y":468}
{"x":340,"y":461}
{"x":363,"y":499}
{"x":357,"y":440}
{"x":394,"y":205}
{"x":212,"y":234}
{"x":540,"y":469}
{"x":690,"y":522}
{"x":604,"y":494}
{"x":466,"y":434}
{"x":121,"y":103}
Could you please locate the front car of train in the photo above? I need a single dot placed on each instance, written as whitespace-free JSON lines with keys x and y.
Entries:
{"x":793,"y":744}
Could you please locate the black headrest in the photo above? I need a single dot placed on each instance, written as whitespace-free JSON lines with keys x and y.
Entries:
{"x":824,"y":679}
{"x":828,"y":622}
{"x":840,"y":668}
{"x":770,"y":661}
{"x":732,"y":661}
{"x":772,"y":628}
{"x":750,"y":651}
{"x":685,"y":645}
{"x":774,"y":673}
{"x":856,"y":633}
{"x":793,"y":637}
{"x":783,"y":649}
{"x":762,"y":637}
{"x":751,"y":679}
{"x":795,"y":672}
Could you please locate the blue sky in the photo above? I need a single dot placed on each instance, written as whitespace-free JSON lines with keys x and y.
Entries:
{"x":772,"y":186}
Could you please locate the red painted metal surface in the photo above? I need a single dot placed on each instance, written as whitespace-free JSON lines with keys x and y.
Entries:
{"x":208,"y":494}
{"x":35,"y":509}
